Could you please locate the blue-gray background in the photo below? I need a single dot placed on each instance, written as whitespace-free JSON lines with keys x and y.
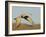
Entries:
{"x":35,"y":11}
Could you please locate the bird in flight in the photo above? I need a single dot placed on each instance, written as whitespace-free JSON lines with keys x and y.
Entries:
{"x":26,"y":17}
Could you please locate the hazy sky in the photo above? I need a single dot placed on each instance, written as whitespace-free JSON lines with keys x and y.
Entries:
{"x":35,"y":11}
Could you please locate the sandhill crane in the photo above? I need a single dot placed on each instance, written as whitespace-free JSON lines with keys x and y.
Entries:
{"x":25,"y":16}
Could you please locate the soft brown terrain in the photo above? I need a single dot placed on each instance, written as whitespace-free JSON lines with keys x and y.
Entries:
{"x":26,"y":27}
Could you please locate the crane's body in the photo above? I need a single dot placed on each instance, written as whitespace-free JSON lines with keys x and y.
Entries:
{"x":24,"y":16}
